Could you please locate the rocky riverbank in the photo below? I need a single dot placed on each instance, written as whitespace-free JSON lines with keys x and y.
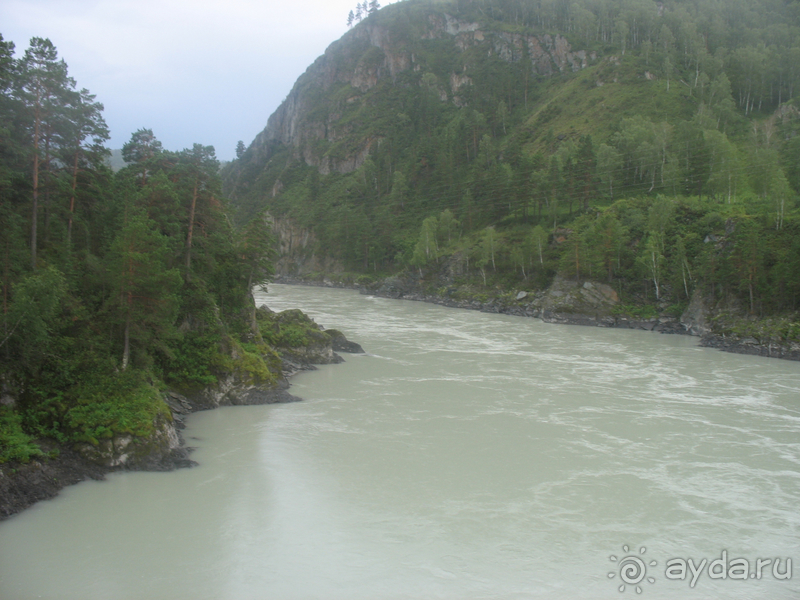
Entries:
{"x":752,"y":346}
{"x":565,"y":302}
{"x":597,"y":304}
{"x":24,"y":484}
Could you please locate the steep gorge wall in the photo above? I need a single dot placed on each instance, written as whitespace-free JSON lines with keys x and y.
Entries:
{"x":296,"y":245}
{"x":370,"y":54}
{"x":335,"y":116}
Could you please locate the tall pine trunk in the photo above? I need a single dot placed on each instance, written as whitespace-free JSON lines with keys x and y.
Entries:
{"x":72,"y":199}
{"x":6,"y":269}
{"x":34,"y":220}
{"x":126,"y":347}
{"x":191,"y":231}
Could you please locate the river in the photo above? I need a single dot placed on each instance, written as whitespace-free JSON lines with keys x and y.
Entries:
{"x":465,"y":456}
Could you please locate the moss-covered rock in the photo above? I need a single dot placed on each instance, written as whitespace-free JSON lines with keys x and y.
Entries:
{"x":579,"y":302}
{"x":244,"y":374}
{"x":340,"y":343}
{"x":134,"y":451}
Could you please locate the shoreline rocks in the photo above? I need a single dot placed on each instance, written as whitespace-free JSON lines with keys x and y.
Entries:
{"x":564,"y":302}
{"x":751,"y":346}
{"x":23,"y":485}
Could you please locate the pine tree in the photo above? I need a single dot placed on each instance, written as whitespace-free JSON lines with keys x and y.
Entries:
{"x":609,"y":236}
{"x":257,"y":251}
{"x":145,"y":290}
{"x":579,"y":257}
{"x":43,"y":87}
{"x":142,"y":148}
{"x":201,"y":166}
{"x":85,"y":123}
{"x":585,"y":167}
{"x":8,"y":105}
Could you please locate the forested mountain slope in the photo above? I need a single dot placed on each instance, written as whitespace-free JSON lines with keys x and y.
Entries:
{"x":650,"y":145}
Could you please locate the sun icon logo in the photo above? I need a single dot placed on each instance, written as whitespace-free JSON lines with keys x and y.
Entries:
{"x":632,"y":569}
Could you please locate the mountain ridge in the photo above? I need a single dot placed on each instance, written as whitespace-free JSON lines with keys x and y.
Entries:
{"x":549,"y":54}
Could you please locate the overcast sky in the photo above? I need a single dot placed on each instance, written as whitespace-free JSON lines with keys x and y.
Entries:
{"x":201,"y":71}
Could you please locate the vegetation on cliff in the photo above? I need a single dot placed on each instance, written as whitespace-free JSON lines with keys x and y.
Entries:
{"x":653,"y":146}
{"x":114,"y":285}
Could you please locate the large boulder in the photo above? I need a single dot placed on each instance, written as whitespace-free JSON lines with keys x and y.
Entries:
{"x":579,"y":303}
{"x":159,"y":451}
{"x":695,"y":319}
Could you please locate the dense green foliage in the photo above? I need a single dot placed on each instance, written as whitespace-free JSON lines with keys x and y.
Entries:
{"x":113,"y":284}
{"x":663,"y":158}
{"x":15,"y":444}
{"x":291,"y":329}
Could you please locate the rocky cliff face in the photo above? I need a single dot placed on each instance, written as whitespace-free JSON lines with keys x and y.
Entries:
{"x":372,"y":53}
{"x":296,"y":245}
{"x":363,"y":99}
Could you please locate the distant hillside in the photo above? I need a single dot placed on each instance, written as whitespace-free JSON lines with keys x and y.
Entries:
{"x":479,"y":131}
{"x":115,"y":160}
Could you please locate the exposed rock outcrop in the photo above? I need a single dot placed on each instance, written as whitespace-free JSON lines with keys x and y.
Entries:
{"x":234,"y":389}
{"x":695,"y":317}
{"x":579,"y":303}
{"x":296,"y":249}
{"x":161,"y":451}
{"x":339,"y":343}
{"x":301,"y":342}
{"x":371,"y":53}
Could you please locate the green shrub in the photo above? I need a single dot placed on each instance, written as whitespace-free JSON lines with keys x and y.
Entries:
{"x":15,"y":444}
{"x":119,"y":403}
{"x":643,"y":312}
{"x":292,"y":336}
{"x":192,"y":358}
{"x":288,"y":329}
{"x":676,"y":310}
{"x":251,"y":361}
